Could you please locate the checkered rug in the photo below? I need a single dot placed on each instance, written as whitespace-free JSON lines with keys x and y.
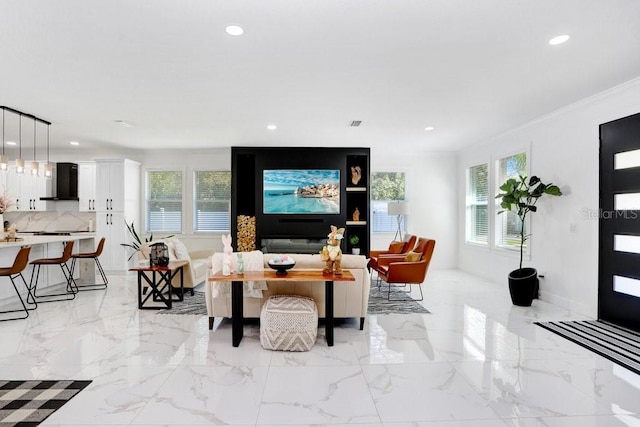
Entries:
{"x":28,"y":403}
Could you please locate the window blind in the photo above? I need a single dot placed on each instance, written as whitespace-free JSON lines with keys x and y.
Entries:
{"x":508,"y":223}
{"x":212,"y":201}
{"x":477,"y":218}
{"x":164,"y":201}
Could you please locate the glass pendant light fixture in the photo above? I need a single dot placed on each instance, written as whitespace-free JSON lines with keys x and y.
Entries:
{"x":48,"y":169}
{"x":19,"y":160}
{"x":35,"y":166}
{"x":4,"y":159}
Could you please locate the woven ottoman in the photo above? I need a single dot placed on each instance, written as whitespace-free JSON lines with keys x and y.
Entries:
{"x":288,"y":323}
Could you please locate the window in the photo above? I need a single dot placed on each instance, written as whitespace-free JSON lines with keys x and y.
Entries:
{"x":164,"y":201}
{"x":477,"y":207}
{"x":212,"y":201}
{"x":508,"y":223}
{"x":385,"y":187}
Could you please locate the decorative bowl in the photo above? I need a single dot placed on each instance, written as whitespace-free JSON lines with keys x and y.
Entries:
{"x":281,"y":264}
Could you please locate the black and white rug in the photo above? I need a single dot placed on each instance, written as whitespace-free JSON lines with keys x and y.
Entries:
{"x":620,"y":345}
{"x":378,"y":303}
{"x":401,"y":302}
{"x":28,"y":403}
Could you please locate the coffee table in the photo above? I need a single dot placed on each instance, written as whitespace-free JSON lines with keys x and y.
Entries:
{"x":314,"y":275}
{"x":160,"y":282}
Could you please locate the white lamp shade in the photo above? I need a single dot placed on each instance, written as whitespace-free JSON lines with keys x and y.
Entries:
{"x":397,"y":208}
{"x":19,"y":166}
{"x":4,"y":163}
{"x":35,"y":168}
{"x":48,"y":170}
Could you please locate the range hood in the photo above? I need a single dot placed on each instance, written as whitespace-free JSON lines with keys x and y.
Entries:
{"x":65,"y":182}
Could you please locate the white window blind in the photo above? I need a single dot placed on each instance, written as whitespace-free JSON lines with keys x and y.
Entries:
{"x":386,"y":187}
{"x":164,"y":201}
{"x":477,"y":208}
{"x":212,"y":201}
{"x":508,"y":223}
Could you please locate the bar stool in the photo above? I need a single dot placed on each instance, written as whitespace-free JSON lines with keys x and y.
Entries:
{"x":72,"y":287}
{"x":19,"y":264}
{"x":94,"y":256}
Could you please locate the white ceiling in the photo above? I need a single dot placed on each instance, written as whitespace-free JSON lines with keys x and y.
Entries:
{"x":471,"y":69}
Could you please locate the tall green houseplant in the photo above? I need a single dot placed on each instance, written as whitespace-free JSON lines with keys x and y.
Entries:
{"x":520,"y":196}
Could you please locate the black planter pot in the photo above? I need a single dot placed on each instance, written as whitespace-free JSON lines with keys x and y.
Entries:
{"x":523,"y":286}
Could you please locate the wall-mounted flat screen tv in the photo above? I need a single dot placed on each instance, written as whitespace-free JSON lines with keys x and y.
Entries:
{"x":301,"y":191}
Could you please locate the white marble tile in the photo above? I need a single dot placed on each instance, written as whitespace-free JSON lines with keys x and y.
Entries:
{"x":207,"y":395}
{"x":316,"y":395}
{"x":527,"y":389}
{"x":476,"y":360}
{"x":424,"y":392}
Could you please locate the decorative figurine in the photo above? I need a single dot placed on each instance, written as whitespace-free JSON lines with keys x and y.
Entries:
{"x":228,"y":261}
{"x":356,"y":215}
{"x":356,"y":174}
{"x":332,"y":254}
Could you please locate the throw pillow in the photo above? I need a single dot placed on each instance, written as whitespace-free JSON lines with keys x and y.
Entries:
{"x":180,"y":250}
{"x":412,"y":256}
{"x":396,"y":247}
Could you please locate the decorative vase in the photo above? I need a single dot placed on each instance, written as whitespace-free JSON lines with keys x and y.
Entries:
{"x":523,"y":286}
{"x":3,"y":234}
{"x":355,"y":251}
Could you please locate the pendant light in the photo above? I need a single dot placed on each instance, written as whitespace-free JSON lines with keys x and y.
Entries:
{"x":48,"y":169}
{"x":4,"y":159}
{"x":19,"y":160}
{"x":35,"y":166}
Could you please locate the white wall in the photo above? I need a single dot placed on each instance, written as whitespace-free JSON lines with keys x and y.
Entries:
{"x":431,"y":182}
{"x":564,"y":150}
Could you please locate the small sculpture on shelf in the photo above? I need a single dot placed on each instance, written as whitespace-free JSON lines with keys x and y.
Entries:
{"x":356,"y":214}
{"x":356,"y":174}
{"x":332,"y":254}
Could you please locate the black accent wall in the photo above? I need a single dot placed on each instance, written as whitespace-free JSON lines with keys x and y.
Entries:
{"x":247,"y":166}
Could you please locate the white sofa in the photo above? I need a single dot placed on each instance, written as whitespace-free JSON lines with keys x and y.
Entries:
{"x":194,"y":273}
{"x":351,"y":299}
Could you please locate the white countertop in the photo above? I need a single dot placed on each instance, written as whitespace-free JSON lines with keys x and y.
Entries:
{"x":30,"y":239}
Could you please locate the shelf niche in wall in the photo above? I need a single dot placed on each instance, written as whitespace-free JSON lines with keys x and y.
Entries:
{"x":247,"y":168}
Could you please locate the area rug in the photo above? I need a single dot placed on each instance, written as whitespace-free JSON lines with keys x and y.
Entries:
{"x":192,"y":304}
{"x":379,"y":304}
{"x":620,"y":345}
{"x":28,"y":403}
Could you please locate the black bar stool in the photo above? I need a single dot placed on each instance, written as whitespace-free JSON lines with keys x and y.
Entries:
{"x":19,"y":264}
{"x":71,"y":289}
{"x":94,"y":256}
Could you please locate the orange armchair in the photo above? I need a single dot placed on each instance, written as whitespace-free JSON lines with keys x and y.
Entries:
{"x":408,"y":243}
{"x":395,"y":269}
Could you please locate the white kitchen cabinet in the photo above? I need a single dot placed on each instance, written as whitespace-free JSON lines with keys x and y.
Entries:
{"x":26,"y":190}
{"x":111,"y":226}
{"x":117,"y":200}
{"x":87,"y":186}
{"x":110,"y":188}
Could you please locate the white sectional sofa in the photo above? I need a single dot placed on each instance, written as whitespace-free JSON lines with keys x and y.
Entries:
{"x":350,"y":298}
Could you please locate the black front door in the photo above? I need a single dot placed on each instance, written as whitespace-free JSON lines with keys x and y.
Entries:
{"x":619,"y":251}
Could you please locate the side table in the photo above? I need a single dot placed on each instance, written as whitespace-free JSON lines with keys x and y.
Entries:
{"x":160,"y":283}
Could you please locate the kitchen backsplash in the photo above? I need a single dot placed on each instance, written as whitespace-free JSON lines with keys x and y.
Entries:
{"x":51,"y":221}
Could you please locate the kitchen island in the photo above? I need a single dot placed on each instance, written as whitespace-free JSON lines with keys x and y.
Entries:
{"x":45,"y":247}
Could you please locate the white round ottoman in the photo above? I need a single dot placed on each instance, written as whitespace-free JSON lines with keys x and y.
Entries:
{"x":288,"y":323}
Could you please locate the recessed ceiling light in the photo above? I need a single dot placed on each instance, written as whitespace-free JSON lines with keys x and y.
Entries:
{"x":558,"y":39}
{"x":234,"y":30}
{"x":125,"y":123}
{"x":429,"y":128}
{"x":272,"y":127}
{"x":74,"y":143}
{"x":11,"y":143}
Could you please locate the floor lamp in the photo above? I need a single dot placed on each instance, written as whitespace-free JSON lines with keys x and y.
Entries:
{"x":400,"y":209}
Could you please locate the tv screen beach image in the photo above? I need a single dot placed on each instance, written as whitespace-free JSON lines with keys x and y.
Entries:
{"x":301,"y":191}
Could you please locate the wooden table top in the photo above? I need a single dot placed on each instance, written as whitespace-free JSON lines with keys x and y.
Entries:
{"x":172,"y":266}
{"x":291,"y":276}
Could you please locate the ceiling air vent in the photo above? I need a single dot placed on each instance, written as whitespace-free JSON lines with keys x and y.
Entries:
{"x":355,"y":123}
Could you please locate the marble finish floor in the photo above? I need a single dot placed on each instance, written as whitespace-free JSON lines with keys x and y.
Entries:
{"x":476,"y":360}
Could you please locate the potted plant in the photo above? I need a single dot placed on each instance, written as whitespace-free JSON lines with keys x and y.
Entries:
{"x":520,"y":196}
{"x":137,"y":243}
{"x":354,"y":240}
